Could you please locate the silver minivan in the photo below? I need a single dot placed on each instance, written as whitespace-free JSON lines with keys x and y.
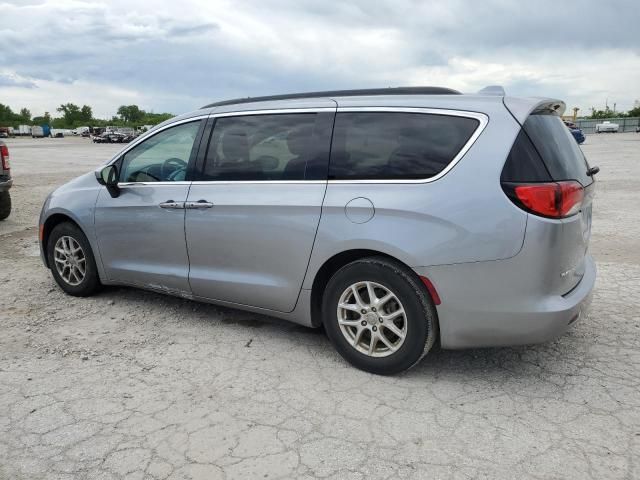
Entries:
{"x":395,"y":218}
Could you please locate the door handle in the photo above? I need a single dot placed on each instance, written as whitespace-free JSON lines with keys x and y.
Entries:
{"x":170,"y":204}
{"x":199,"y":204}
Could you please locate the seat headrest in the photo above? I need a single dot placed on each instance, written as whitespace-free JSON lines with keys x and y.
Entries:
{"x":298,"y":139}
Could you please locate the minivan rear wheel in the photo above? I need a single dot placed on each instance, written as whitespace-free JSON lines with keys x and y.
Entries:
{"x":379,"y":316}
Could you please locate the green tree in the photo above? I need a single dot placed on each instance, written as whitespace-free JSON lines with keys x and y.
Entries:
{"x":25,"y":115}
{"x":634,"y":112}
{"x":131,"y":113}
{"x":74,"y":116}
{"x":155,"y":118}
{"x":123,"y":112}
{"x":46,"y":119}
{"x":8,"y":117}
{"x":86,"y":114}
{"x":606,"y":113}
{"x":70,"y":113}
{"x":6,"y":114}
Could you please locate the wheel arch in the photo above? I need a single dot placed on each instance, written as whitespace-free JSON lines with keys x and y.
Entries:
{"x":335,"y":263}
{"x":47,"y":227}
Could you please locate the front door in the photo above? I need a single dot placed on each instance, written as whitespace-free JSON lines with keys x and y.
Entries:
{"x":252,"y":216}
{"x":141,"y":232}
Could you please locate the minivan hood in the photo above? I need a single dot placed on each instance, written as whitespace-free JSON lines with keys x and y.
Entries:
{"x":83,"y":182}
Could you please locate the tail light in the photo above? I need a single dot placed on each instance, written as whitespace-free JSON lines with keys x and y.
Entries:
{"x":549,"y":199}
{"x":4,"y":153}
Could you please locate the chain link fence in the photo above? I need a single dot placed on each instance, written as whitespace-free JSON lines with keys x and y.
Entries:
{"x":627,"y":124}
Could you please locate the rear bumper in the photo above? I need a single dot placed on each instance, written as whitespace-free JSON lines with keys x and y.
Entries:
{"x":483,"y":305}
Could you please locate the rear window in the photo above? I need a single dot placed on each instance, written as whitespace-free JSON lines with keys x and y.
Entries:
{"x":524,"y":163}
{"x":396,"y":145}
{"x":557,"y":147}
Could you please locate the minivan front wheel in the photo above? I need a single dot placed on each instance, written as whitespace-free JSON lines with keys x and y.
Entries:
{"x":71,"y":260}
{"x":379,"y":316}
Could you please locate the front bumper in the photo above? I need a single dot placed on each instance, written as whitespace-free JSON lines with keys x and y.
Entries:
{"x":483,"y":307}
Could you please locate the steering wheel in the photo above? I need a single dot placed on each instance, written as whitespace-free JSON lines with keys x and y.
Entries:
{"x":171,"y":166}
{"x":178,"y":175}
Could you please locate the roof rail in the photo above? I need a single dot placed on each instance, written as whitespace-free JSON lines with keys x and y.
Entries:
{"x":343,"y":93}
{"x":497,"y":90}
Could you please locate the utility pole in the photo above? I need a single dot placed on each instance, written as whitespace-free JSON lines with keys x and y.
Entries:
{"x":614,"y":107}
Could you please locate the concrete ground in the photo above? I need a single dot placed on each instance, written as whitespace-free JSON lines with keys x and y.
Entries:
{"x":134,"y":385}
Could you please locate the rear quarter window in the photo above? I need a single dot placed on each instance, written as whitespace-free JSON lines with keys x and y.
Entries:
{"x":559,"y":150}
{"x":396,"y":145}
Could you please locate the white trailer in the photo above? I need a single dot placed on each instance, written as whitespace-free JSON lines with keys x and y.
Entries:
{"x":23,"y":130}
{"x":37,"y":132}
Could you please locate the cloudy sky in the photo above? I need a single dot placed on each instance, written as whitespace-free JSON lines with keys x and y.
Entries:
{"x":177,"y":55}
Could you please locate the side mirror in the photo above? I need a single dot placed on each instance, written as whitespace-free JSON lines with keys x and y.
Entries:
{"x":108,"y":177}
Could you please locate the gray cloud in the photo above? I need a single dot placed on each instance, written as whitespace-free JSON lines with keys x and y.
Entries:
{"x":12,"y":81}
{"x":175,"y":55}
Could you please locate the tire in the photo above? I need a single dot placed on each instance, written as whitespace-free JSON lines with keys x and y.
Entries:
{"x":5,"y":205}
{"x":90,"y":283}
{"x":418,"y":324}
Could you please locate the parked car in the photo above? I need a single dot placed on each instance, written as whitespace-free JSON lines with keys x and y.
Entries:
{"x":112,"y":137}
{"x":116,"y":137}
{"x":576,"y":132}
{"x":126,"y":130}
{"x":104,"y":137}
{"x":607,"y":127}
{"x":5,"y":181}
{"x":396,"y":218}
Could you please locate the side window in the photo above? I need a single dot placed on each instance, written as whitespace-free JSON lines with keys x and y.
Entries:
{"x":261,"y":147}
{"x":396,"y":145}
{"x":161,"y":158}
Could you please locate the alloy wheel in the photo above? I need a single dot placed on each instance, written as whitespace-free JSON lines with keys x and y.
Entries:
{"x":70,"y":260}
{"x":372,"y":319}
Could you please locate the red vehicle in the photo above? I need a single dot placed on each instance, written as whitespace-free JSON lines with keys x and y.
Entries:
{"x":5,"y":182}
